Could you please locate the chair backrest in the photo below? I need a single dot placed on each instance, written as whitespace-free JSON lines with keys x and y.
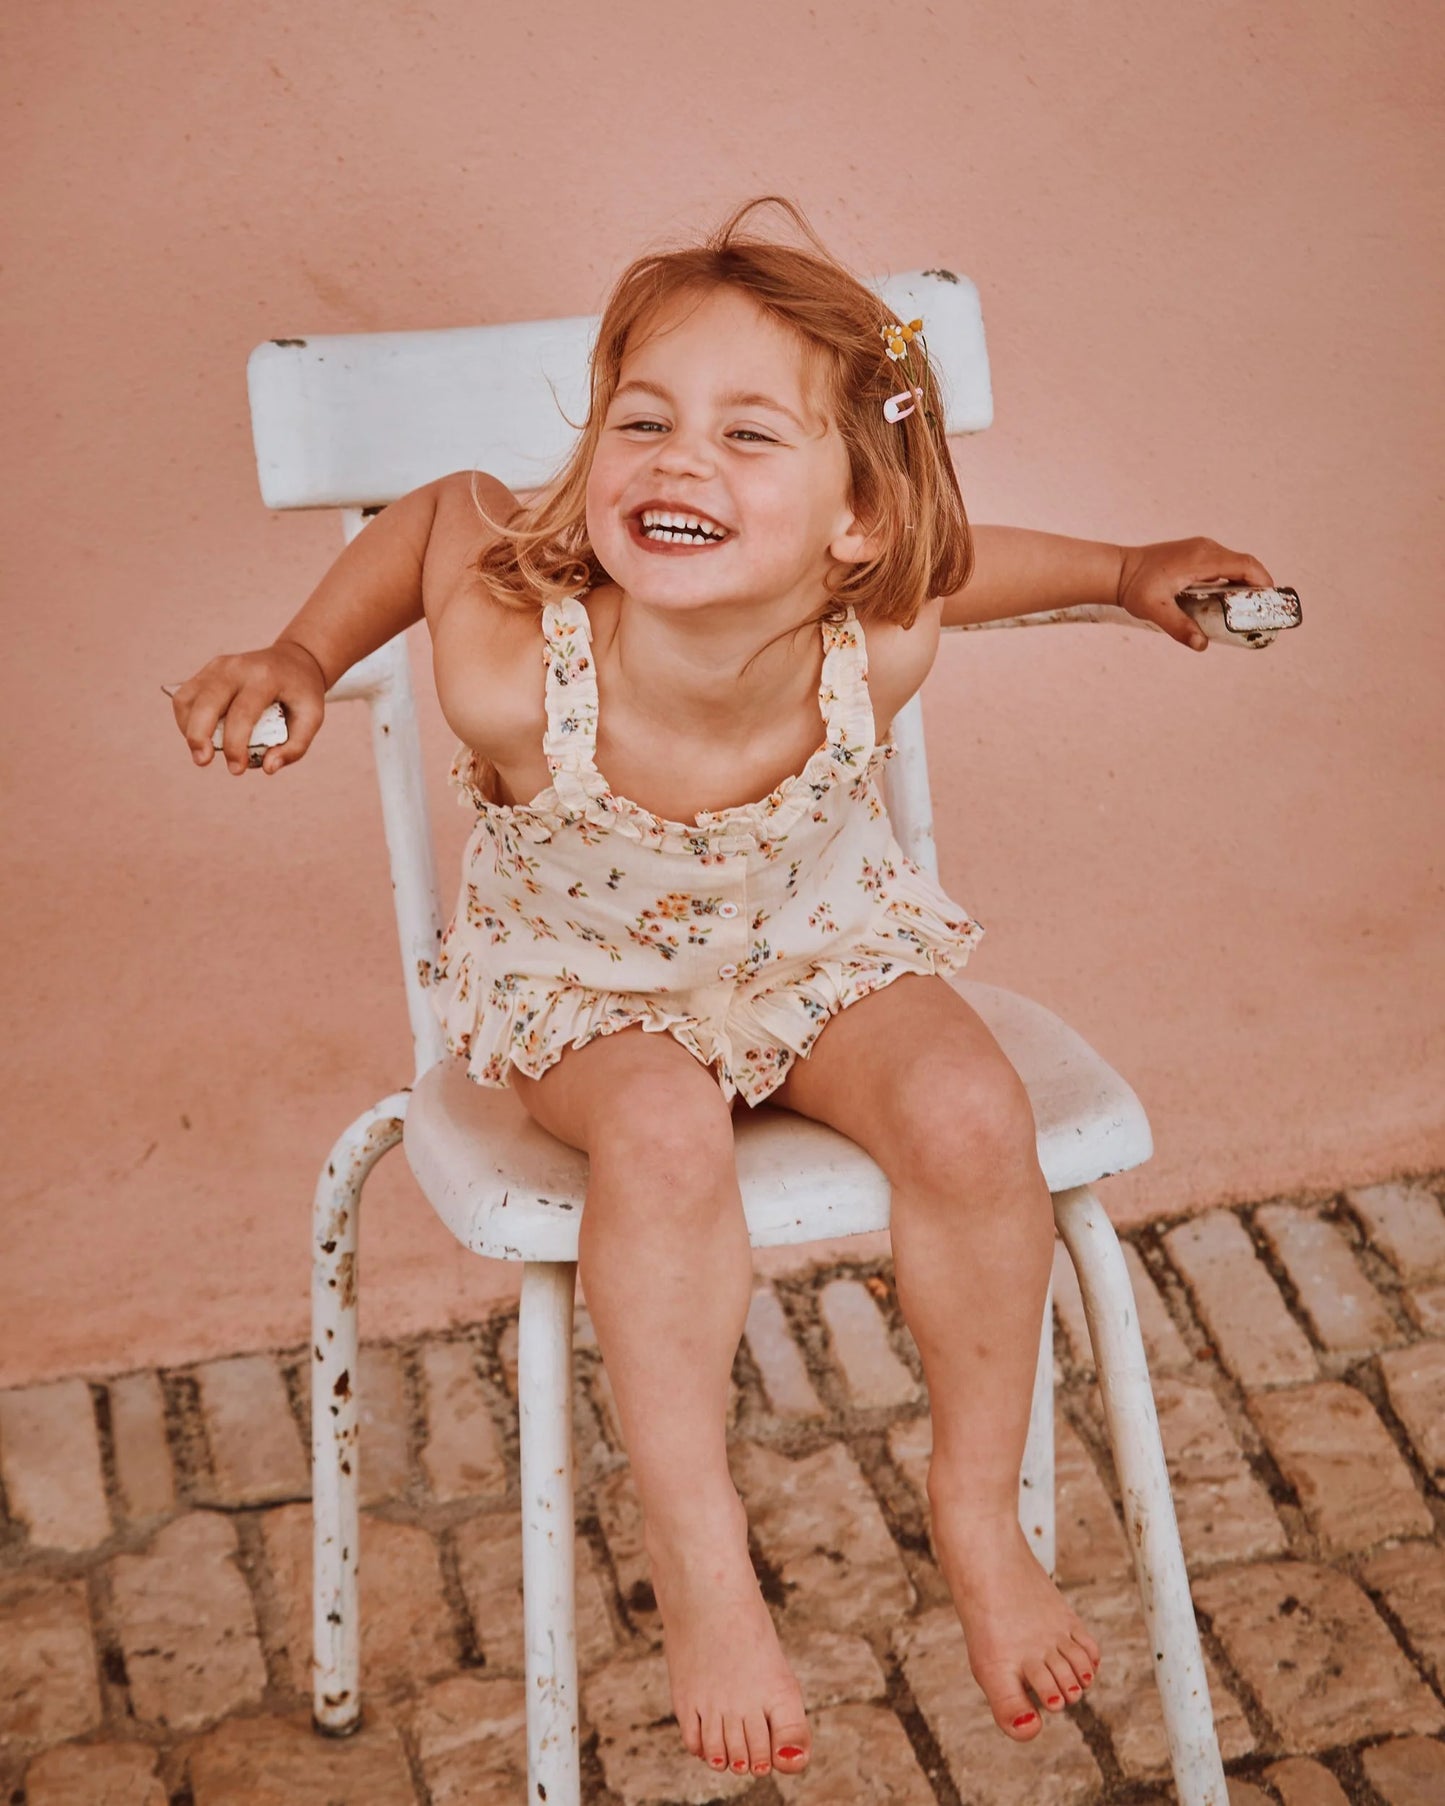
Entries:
{"x":352,"y":421}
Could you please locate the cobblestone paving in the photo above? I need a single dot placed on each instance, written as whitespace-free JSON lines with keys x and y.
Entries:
{"x":155,"y":1552}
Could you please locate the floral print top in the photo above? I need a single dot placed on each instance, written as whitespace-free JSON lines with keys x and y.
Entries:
{"x":739,"y":933}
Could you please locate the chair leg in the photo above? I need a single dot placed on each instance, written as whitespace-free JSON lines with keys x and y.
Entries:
{"x":549,"y":1594}
{"x":1036,"y":1476}
{"x":1148,"y":1504}
{"x":336,"y":1629}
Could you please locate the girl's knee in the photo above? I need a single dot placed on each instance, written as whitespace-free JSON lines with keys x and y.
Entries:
{"x":973,"y":1117}
{"x":668,"y":1137}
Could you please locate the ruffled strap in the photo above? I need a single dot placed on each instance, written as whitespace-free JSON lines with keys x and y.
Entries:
{"x":843,"y":698}
{"x":570,"y":740}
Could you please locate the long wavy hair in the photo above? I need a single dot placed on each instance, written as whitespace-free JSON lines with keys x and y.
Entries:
{"x":902,"y":478}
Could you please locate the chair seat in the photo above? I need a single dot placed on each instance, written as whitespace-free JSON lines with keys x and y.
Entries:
{"x":507,"y":1189}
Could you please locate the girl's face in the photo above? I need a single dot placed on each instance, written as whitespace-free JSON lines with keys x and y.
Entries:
{"x":713,"y":418}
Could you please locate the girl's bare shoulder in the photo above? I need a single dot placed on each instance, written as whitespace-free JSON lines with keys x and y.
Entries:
{"x":486,"y":654}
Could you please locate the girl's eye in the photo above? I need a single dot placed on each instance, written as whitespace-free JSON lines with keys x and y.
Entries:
{"x":637,"y":426}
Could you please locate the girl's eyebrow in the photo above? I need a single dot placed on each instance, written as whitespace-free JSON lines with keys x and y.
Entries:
{"x":738,"y":399}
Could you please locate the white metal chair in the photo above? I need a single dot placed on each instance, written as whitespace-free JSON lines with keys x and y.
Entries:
{"x":352,"y":422}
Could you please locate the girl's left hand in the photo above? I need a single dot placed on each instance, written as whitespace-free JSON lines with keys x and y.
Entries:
{"x":1150,"y":577}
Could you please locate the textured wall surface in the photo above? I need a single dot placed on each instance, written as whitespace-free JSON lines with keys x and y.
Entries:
{"x":1208,"y":248}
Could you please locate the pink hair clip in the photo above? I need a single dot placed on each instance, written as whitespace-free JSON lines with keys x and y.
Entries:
{"x":893,"y":408}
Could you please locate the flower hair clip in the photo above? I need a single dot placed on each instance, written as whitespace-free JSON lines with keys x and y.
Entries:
{"x":897,"y":340}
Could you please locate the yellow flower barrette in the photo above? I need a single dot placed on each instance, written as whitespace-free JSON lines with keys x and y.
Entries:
{"x":897,"y":340}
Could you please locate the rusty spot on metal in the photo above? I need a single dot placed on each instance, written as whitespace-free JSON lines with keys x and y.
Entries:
{"x":346,"y":1467}
{"x":328,"y":1247}
{"x":342,"y":1388}
{"x":347,"y":1275}
{"x":319,"y":1356}
{"x":942,"y":275}
{"x":299,"y":343}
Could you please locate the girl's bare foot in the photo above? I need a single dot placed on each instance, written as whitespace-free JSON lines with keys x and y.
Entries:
{"x":737,"y":1701}
{"x":1020,"y":1631}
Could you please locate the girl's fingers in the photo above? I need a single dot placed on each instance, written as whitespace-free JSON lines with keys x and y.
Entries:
{"x":303,"y":722}
{"x":241,"y":717}
{"x":198,"y":722}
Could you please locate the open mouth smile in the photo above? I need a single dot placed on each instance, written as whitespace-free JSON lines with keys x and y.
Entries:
{"x":672,"y":530}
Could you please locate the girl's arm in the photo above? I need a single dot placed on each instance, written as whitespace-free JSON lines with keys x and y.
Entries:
{"x":1018,"y":571}
{"x":406,"y":563}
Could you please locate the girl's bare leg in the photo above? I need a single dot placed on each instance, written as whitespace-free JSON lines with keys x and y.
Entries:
{"x":913,"y":1074}
{"x":666,"y":1269}
{"x":973,"y":1238}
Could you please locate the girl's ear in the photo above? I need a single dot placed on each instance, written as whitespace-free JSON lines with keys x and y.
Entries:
{"x":856,"y":544}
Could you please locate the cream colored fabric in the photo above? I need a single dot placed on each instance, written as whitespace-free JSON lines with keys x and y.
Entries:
{"x":740,"y":934}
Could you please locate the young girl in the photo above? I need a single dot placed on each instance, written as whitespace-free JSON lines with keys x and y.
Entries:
{"x":683,"y":890}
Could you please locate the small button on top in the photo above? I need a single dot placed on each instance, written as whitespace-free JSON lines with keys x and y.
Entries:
{"x":727,"y":909}
{"x":727,"y":971}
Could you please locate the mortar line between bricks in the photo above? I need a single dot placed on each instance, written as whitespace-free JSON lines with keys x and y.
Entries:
{"x":1288,"y":1290}
{"x":1376,"y":1269}
{"x":413,"y":1393}
{"x":105,"y":1441}
{"x":898,"y":1698}
{"x":291,"y":1365}
{"x":1366,"y":1378}
{"x":186,"y":1436}
{"x":1148,"y":1244}
{"x":116,"y":1705}
{"x":465,"y":1634}
{"x":1261,"y":1726}
{"x":266,"y":1609}
{"x":1416,"y":1658}
{"x":411,"y":1750}
{"x":1356,"y":1783}
{"x":1259,"y":1458}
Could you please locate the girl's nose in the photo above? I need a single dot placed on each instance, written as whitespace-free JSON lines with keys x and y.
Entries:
{"x":681,"y":451}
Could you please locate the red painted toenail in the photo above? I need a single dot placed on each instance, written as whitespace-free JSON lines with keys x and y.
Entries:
{"x":789,"y":1752}
{"x":738,"y":1767}
{"x":717,"y":1761}
{"x":1054,"y":1699}
{"x":1088,"y":1677}
{"x":1024,"y":1718}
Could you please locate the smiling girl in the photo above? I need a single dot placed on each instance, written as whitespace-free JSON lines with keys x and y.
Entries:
{"x":673,"y":676}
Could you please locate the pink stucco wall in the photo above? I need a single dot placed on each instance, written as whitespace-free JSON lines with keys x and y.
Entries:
{"x":1207,"y":241}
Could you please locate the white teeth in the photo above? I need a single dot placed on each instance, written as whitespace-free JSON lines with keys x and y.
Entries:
{"x":690,"y":529}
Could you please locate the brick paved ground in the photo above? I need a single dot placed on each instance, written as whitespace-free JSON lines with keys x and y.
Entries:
{"x":154,"y":1552}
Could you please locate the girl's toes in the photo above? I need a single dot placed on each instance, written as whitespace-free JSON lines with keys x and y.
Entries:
{"x":760,"y":1749}
{"x":791,"y":1746}
{"x":692,"y":1734}
{"x":714,"y":1750}
{"x":1082,"y":1658}
{"x":1013,"y":1711}
{"x":737,"y":1744}
{"x":1042,"y":1684}
{"x":1018,"y":1717}
{"x":1066,"y":1688}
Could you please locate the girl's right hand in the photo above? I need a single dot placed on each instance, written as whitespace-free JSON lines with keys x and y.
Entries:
{"x":239,"y":685}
